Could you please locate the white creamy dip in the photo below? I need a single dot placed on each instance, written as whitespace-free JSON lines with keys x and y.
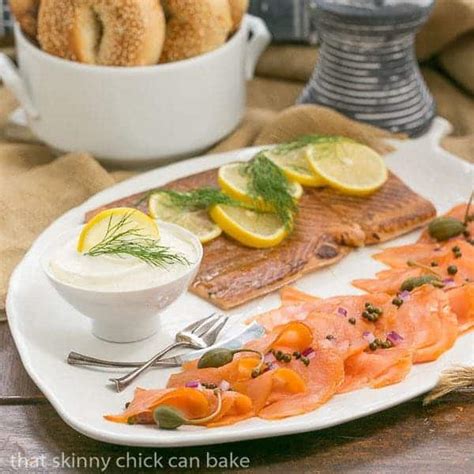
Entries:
{"x":115,"y":273}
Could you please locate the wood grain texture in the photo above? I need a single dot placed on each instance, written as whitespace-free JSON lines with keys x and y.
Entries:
{"x":15,"y":384}
{"x":408,"y":438}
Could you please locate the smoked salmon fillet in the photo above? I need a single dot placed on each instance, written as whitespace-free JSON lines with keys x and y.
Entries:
{"x":329,"y":223}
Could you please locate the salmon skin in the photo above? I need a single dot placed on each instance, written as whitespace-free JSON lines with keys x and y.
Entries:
{"x":328,"y":225}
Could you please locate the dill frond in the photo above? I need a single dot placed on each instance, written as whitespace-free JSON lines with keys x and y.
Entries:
{"x":200,"y":198}
{"x":122,"y":240}
{"x":267,"y":182}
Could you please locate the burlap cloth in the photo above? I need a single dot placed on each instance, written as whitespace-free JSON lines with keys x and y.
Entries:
{"x":36,"y":187}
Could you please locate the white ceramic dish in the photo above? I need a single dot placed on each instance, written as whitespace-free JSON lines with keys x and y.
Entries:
{"x":125,"y":316}
{"x":137,"y":115}
{"x":45,"y":329}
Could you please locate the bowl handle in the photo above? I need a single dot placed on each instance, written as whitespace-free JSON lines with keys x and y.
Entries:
{"x":15,"y":84}
{"x":259,"y":40}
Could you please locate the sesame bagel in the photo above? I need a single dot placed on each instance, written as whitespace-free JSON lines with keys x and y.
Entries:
{"x":104,"y":32}
{"x":26,"y":13}
{"x":195,"y":27}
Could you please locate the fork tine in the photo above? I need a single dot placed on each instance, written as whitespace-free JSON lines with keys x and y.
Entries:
{"x":206,"y":325}
{"x":211,"y":336}
{"x":196,"y":324}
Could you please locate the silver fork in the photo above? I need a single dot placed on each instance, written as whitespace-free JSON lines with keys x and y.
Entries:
{"x":198,"y":335}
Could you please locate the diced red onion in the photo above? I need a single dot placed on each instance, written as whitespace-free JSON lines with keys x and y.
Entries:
{"x":224,"y":385}
{"x":404,"y":295}
{"x":311,"y":355}
{"x":394,"y":337}
{"x":307,"y":352}
{"x":342,"y":311}
{"x":193,"y":384}
{"x":368,"y":336}
{"x":269,"y":358}
{"x":448,"y":282}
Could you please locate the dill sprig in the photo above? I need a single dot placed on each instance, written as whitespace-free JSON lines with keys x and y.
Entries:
{"x":200,"y":198}
{"x":268,"y":183}
{"x":122,"y":240}
{"x":307,"y":140}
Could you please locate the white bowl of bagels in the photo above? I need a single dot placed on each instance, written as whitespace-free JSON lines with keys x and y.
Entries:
{"x":137,"y":113}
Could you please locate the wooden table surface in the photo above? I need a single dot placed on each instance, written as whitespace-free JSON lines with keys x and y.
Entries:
{"x":409,"y":438}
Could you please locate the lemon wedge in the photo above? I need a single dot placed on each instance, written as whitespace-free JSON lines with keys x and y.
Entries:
{"x":198,"y":222}
{"x":235,"y":184}
{"x":295,"y":165}
{"x":350,"y":167}
{"x":253,"y":229}
{"x":96,"y":229}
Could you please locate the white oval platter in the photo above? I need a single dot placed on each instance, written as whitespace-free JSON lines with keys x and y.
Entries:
{"x":45,"y":328}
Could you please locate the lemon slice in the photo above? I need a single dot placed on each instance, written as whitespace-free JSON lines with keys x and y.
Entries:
{"x":350,"y":167}
{"x":295,"y":165}
{"x":253,"y":229}
{"x":235,"y":184}
{"x":128,"y":218}
{"x":198,"y":222}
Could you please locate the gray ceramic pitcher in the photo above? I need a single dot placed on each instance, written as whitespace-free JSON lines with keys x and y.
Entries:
{"x":367,"y":67}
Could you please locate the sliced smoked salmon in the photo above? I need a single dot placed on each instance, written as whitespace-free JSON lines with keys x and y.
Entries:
{"x":192,"y":403}
{"x":323,"y":377}
{"x":461,"y":300}
{"x":376,"y":369}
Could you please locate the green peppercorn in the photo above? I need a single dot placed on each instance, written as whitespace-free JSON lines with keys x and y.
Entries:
{"x":278,"y":355}
{"x":286,"y":358}
{"x":452,"y":270}
{"x":387,"y":344}
{"x":366,"y":315}
{"x":296,"y":354}
{"x":456,"y":248}
{"x":368,"y":305}
{"x":397,"y":302}
{"x":373,"y":346}
{"x":434,"y":264}
{"x":377,"y":311}
{"x":352,"y":320}
{"x":378,"y":341}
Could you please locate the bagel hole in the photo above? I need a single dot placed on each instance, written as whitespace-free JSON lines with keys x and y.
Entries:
{"x":92,"y":29}
{"x":99,"y":29}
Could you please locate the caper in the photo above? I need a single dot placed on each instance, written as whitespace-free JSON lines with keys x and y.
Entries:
{"x":352,"y":320}
{"x":286,"y":358}
{"x":216,"y":358}
{"x":255,"y":373}
{"x":434,"y":264}
{"x":296,"y":354}
{"x":411,"y":283}
{"x":452,"y":270}
{"x":373,"y":346}
{"x":305,"y":360}
{"x":444,"y":228}
{"x":397,"y":302}
{"x":168,"y":418}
